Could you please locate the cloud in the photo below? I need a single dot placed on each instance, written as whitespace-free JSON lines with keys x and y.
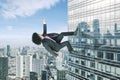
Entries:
{"x":22,"y":8}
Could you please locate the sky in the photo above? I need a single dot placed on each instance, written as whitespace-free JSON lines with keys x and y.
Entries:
{"x":20,"y":18}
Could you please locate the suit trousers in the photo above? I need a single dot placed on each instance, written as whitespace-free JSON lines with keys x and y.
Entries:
{"x":59,"y":38}
{"x":66,"y":43}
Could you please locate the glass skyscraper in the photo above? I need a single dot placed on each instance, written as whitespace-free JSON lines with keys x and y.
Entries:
{"x":98,"y":57}
{"x":107,"y":11}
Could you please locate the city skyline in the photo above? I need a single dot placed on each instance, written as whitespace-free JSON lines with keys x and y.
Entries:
{"x":18,"y":19}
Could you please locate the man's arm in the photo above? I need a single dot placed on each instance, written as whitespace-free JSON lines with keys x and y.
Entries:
{"x":44,"y":29}
{"x":50,"y":50}
{"x":68,"y":33}
{"x":44,"y":26}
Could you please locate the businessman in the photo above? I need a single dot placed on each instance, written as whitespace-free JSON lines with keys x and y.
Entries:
{"x":50,"y":45}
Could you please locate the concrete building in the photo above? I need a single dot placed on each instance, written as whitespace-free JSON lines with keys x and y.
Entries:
{"x":61,"y":75}
{"x":33,"y":76}
{"x":8,"y":50}
{"x":38,"y":63}
{"x":98,"y":56}
{"x":2,"y":52}
{"x":3,"y":68}
{"x":23,"y":66}
{"x":12,"y":66}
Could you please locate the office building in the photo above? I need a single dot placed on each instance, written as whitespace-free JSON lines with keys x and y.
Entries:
{"x":44,"y":75}
{"x":25,"y":50}
{"x":98,"y":57}
{"x":8,"y":50}
{"x":12,"y":66}
{"x":33,"y":76}
{"x":23,"y":66}
{"x":36,"y":66}
{"x":61,"y":75}
{"x":38,"y":63}
{"x":2,"y":52}
{"x":3,"y":68}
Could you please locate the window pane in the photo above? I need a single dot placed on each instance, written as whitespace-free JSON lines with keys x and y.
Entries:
{"x":100,"y":54}
{"x":83,"y":73}
{"x":82,"y":62}
{"x":99,"y":78}
{"x":76,"y":70}
{"x":110,"y":56}
{"x":118,"y":57}
{"x":92,"y":64}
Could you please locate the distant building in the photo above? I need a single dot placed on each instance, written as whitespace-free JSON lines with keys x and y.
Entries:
{"x":19,"y":66}
{"x":38,"y":64}
{"x":8,"y":50}
{"x":2,"y":52}
{"x":25,"y":50}
{"x":23,"y":65}
{"x":3,"y":68}
{"x":33,"y":76}
{"x":12,"y":66}
{"x":44,"y":75}
{"x":61,"y":75}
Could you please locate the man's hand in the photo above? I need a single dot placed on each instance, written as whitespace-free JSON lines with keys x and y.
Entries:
{"x":58,"y":58}
{"x":43,"y":20}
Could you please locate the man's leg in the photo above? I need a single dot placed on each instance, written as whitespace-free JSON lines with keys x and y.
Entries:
{"x":66,"y":43}
{"x":59,"y":38}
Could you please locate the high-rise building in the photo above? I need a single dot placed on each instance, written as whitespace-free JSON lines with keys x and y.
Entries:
{"x":44,"y":75}
{"x":106,"y":11}
{"x":61,"y":75}
{"x":12,"y":66}
{"x":98,"y":56}
{"x":43,"y":62}
{"x":2,"y":52}
{"x":25,"y":50}
{"x":8,"y":50}
{"x":33,"y":76}
{"x":19,"y":66}
{"x":36,"y":66}
{"x":23,"y":66}
{"x":3,"y":68}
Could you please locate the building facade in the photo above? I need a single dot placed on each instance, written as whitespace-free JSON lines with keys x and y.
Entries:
{"x":33,"y":76}
{"x":38,"y":65}
{"x":98,"y":57}
{"x":61,"y":75}
{"x":2,"y":52}
{"x":3,"y":68}
{"x":12,"y":66}
{"x":23,"y":66}
{"x":8,"y":50}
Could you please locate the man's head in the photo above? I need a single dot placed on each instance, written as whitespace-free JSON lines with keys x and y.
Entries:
{"x":36,"y":38}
